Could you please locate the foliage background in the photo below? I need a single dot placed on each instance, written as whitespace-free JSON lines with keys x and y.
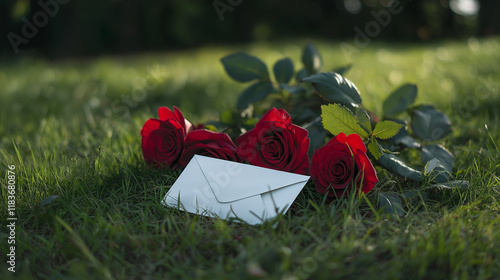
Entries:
{"x":94,"y":27}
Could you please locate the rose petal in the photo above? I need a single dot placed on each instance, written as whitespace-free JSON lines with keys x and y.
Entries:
{"x":355,"y":142}
{"x":246,"y":146}
{"x":302,"y":143}
{"x":150,"y":126}
{"x":208,"y":143}
{"x":368,"y":173}
{"x":204,"y":135}
{"x":300,"y":133}
{"x":166,"y":114}
{"x":164,"y":145}
{"x":332,"y":168}
{"x":276,"y":143}
{"x":275,"y":115}
{"x":188,"y":127}
{"x":340,"y":138}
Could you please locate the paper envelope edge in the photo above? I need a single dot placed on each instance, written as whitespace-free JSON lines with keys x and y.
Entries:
{"x":276,"y":179}
{"x":177,"y":202}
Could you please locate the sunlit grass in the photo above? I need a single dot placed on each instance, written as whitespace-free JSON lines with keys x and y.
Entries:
{"x":72,"y":130}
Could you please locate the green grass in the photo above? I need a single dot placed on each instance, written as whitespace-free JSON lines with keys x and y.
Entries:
{"x":71,"y":128}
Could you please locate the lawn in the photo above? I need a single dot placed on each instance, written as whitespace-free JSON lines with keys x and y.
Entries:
{"x":72,"y":130}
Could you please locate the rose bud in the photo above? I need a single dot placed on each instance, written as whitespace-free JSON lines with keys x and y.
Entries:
{"x":276,"y":143}
{"x":163,"y":140}
{"x":342,"y":166}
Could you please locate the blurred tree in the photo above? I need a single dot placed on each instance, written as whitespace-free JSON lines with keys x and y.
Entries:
{"x":489,"y":21}
{"x":92,"y":27}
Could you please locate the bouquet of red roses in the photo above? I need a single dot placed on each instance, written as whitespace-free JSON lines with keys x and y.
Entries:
{"x":275,"y":143}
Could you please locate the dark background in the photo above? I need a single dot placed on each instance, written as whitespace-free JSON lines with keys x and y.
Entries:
{"x":94,"y":27}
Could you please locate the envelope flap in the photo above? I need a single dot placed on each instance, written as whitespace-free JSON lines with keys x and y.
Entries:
{"x":232,"y":181}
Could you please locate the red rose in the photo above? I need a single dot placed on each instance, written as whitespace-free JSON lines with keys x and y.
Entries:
{"x":163,"y":140}
{"x":276,"y":143}
{"x":342,"y":160}
{"x":208,"y":143}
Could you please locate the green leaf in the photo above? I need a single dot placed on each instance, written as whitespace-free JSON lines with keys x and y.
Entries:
{"x":446,"y":158}
{"x":402,"y":138}
{"x":386,"y":129}
{"x":374,"y":148}
{"x":387,"y":151}
{"x":390,"y":203}
{"x":335,"y":88}
{"x":428,"y":124}
{"x":455,"y":184}
{"x":436,"y":171}
{"x":317,"y":135}
{"x":283,"y":70}
{"x":254,"y":93}
{"x":337,"y":119}
{"x":292,"y":89}
{"x":395,"y":165}
{"x":227,"y":117}
{"x":210,"y":127}
{"x":433,"y":164}
{"x":48,"y":200}
{"x":342,"y":70}
{"x":243,"y":67}
{"x":413,"y":196}
{"x":311,"y":59}
{"x":307,"y":115}
{"x":215,"y":125}
{"x":364,"y":120}
{"x":409,"y":195}
{"x":301,"y":74}
{"x":408,"y":142}
{"x":399,"y":100}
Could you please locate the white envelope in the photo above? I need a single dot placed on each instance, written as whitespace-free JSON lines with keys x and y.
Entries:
{"x":219,"y":188}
